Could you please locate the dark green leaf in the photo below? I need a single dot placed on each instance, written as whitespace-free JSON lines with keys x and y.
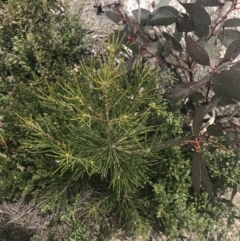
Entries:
{"x":177,"y":34}
{"x":227,"y":85}
{"x":165,"y":15}
{"x":233,"y":22}
{"x":196,"y":172}
{"x":210,"y":3}
{"x":231,"y":136}
{"x":197,"y":52}
{"x":228,"y":35}
{"x":197,"y":120}
{"x":198,"y":14}
{"x":144,"y":29}
{"x":175,"y":44}
{"x":205,"y":179}
{"x":233,"y":50}
{"x":167,"y":47}
{"x":184,"y":90}
{"x":214,"y":130}
{"x":113,"y":16}
{"x":197,"y":96}
{"x":201,"y":30}
{"x":185,"y":23}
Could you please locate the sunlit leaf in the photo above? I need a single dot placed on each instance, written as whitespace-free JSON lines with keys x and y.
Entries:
{"x":163,"y":3}
{"x":213,"y":51}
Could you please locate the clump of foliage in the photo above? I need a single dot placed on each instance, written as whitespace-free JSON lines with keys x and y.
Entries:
{"x":198,"y":65}
{"x":100,"y":142}
{"x":40,"y":40}
{"x":208,"y":82}
{"x":101,"y":130}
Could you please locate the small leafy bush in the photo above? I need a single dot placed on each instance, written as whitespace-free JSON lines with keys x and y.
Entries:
{"x":39,"y":41}
{"x":208,"y":81}
{"x":101,"y":142}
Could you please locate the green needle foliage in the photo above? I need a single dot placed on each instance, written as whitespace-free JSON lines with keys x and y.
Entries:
{"x":96,"y":141}
{"x":101,"y":127}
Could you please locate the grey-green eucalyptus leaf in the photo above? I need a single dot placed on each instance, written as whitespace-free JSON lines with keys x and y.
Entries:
{"x":226,"y":36}
{"x":144,"y":13}
{"x":112,"y":16}
{"x":233,"y":22}
{"x":213,"y":51}
{"x":165,"y":16}
{"x":233,"y":50}
{"x":175,"y":44}
{"x":198,"y":14}
{"x":154,"y":48}
{"x":163,"y":3}
{"x":197,"y":52}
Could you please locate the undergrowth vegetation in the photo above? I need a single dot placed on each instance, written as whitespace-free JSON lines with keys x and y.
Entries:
{"x":93,"y":144}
